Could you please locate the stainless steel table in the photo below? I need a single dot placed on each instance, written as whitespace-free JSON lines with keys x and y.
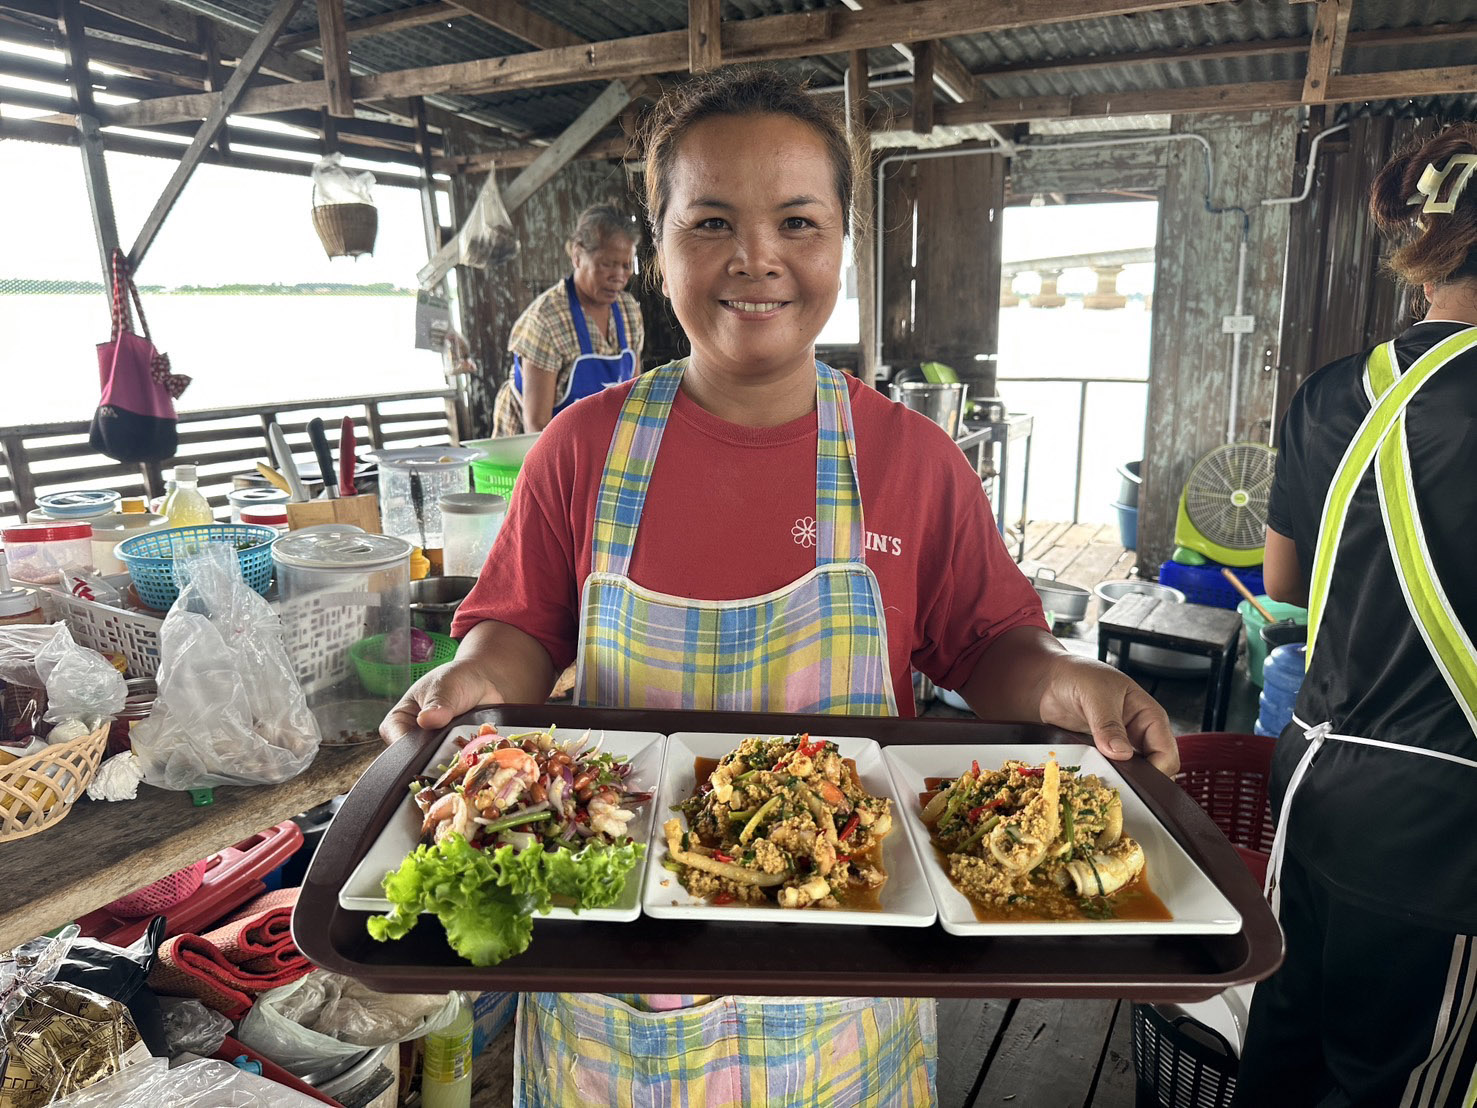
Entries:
{"x":981,"y":439}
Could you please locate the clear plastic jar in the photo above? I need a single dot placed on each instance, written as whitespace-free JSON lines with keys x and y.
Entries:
{"x":266,"y":515}
{"x":240,"y":499}
{"x":471,"y":521}
{"x":345,"y":608}
{"x":109,"y":531}
{"x":38,"y":552}
{"x":411,"y":484}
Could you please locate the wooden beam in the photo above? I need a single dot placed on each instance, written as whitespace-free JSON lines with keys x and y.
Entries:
{"x":335,"y":50}
{"x":518,"y":21}
{"x":215,"y":75}
{"x":591,"y":122}
{"x":418,"y":15}
{"x":251,"y":60}
{"x":94,"y":167}
{"x":516,"y":157}
{"x":704,"y":35}
{"x":765,"y":38}
{"x":923,"y":88}
{"x":430,"y":218}
{"x":1326,"y":50}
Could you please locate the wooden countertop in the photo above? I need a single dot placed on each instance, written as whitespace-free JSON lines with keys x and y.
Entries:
{"x":102,"y":850}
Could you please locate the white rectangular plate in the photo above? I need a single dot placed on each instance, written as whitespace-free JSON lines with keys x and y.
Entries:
{"x":1198,"y":907}
{"x":362,"y":892}
{"x":905,"y":898}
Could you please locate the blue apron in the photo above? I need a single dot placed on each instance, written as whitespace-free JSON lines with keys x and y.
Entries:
{"x":591,"y":372}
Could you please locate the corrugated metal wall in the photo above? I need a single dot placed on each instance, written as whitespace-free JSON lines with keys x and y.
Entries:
{"x":1195,"y":286}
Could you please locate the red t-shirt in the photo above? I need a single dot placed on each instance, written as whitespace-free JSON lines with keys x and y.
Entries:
{"x":730,"y":513}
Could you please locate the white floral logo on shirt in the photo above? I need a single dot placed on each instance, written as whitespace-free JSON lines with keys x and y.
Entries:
{"x":804,"y":531}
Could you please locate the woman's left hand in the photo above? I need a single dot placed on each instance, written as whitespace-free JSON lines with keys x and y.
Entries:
{"x":1083,"y":695}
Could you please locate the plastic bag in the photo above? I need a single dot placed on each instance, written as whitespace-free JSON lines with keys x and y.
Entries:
{"x":63,"y":1038}
{"x":122,"y":973}
{"x":207,"y":1083}
{"x":325,"y":1017}
{"x":191,"y":1027}
{"x":487,"y":238}
{"x":230,"y":710}
{"x":80,"y":683}
{"x":333,"y":184}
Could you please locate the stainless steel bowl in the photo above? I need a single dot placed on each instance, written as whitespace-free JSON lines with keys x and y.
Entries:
{"x":434,"y":601}
{"x":1067,"y":603}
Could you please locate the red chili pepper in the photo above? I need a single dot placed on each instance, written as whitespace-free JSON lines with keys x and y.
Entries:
{"x":723,"y":898}
{"x":720,"y":856}
{"x":842,"y":858}
{"x":1031,"y":771}
{"x":975,"y":766}
{"x":974,"y":813}
{"x":849,"y":828}
{"x":810,"y":749}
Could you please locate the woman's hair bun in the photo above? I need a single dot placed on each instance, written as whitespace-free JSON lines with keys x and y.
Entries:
{"x":1433,"y":248}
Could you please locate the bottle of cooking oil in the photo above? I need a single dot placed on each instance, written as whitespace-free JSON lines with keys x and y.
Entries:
{"x":185,"y":506}
{"x":446,"y":1077}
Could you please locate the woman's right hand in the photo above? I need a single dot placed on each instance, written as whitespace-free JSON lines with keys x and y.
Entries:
{"x":438,"y":698}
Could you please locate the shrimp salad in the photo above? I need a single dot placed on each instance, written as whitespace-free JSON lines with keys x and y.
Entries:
{"x":528,"y":788}
{"x":514,"y":825}
{"x":782,"y":821}
{"x":1039,"y":841}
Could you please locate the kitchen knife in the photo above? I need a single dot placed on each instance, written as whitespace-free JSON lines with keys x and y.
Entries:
{"x":346,"y":460}
{"x":285,"y":464}
{"x":319,"y":438}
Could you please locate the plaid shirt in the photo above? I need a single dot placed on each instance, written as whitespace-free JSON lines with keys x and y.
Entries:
{"x":544,"y":337}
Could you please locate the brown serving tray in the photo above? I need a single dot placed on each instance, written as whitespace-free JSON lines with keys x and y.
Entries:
{"x":685,"y":956}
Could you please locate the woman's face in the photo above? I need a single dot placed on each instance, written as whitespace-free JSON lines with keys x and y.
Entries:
{"x":600,"y":275}
{"x":751,"y":243}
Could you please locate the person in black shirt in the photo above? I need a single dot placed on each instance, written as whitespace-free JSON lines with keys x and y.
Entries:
{"x":1372,"y":523}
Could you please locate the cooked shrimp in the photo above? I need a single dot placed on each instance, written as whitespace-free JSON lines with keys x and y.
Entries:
{"x":451,"y":814}
{"x":606,"y":814}
{"x":508,"y":773}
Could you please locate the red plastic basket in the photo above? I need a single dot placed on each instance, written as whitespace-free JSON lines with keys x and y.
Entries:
{"x":228,"y":879}
{"x":162,"y":894}
{"x":1227,"y":774}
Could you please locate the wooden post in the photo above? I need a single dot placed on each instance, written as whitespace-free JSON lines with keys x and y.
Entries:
{"x":334,"y":36}
{"x":704,"y":45}
{"x":246,"y":69}
{"x":99,"y":196}
{"x":923,"y":87}
{"x":430,"y":219}
{"x":1326,"y":50}
{"x":863,"y":220}
{"x":216,"y":75}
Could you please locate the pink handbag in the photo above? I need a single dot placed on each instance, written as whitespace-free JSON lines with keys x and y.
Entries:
{"x":135,"y":419}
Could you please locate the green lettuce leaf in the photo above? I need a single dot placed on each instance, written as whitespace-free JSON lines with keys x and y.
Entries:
{"x":486,"y":901}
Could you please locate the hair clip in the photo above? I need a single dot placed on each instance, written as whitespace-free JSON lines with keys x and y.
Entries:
{"x":1432,"y":180}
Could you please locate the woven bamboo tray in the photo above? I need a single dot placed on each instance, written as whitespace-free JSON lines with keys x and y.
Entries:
{"x":37,"y":791}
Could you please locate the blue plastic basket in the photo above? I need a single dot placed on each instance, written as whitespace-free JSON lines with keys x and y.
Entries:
{"x":1205,"y":585}
{"x":150,"y":557}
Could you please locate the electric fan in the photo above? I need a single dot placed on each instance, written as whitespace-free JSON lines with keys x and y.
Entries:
{"x":1223,"y":508}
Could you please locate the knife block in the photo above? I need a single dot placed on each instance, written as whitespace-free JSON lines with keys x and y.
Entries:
{"x":361,"y":511}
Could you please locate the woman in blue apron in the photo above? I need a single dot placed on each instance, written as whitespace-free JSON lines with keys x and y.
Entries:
{"x":580,"y":335}
{"x":1374,"y":867}
{"x":749,"y":184}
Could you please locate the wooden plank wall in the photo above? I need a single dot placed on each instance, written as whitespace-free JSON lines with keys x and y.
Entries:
{"x":943,"y":304}
{"x":1337,"y":300}
{"x":1195,"y":286}
{"x":492,"y":299}
{"x":1058,"y":168}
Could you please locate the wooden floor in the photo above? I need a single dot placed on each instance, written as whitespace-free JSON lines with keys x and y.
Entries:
{"x":1082,"y":554}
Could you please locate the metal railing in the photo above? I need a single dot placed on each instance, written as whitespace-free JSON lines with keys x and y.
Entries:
{"x":1083,"y":385}
{"x":38,"y":458}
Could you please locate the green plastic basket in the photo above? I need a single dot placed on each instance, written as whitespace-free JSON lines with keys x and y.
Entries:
{"x":497,"y":470}
{"x":390,"y":680}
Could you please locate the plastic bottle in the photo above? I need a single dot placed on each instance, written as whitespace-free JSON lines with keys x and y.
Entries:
{"x":446,"y":1078}
{"x":185,"y":506}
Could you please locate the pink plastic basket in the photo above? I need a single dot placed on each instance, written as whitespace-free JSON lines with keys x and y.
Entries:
{"x":162,"y":894}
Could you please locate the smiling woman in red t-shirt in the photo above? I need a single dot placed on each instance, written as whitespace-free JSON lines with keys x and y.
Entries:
{"x":747,"y":530}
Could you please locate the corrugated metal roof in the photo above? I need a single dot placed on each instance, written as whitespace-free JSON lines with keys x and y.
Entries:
{"x":1277,"y":23}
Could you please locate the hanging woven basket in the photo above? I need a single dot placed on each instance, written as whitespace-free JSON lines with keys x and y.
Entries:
{"x":346,"y":230}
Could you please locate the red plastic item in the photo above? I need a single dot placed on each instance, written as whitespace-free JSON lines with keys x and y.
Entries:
{"x":46,"y":532}
{"x":231,"y":1049}
{"x":232,"y":877}
{"x":162,"y":895}
{"x":1227,"y":775}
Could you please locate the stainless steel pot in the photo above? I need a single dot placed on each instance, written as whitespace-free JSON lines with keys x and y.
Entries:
{"x":942,"y":403}
{"x":434,"y":600}
{"x":1067,"y":603}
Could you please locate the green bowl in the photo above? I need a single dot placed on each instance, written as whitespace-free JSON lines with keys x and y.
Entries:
{"x":388,"y":679}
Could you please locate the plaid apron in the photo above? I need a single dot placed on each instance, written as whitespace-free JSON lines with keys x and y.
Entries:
{"x":817,"y":645}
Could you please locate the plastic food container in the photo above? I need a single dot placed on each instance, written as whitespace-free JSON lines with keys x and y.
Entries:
{"x":471,"y":521}
{"x":38,"y":552}
{"x":240,"y":499}
{"x":108,"y":531}
{"x":266,"y":515}
{"x":339,"y":587}
{"x":411,"y":484}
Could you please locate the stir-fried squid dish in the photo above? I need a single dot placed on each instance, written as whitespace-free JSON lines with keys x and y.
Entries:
{"x":783,"y":821}
{"x":1034,"y":840}
{"x":520,"y":789}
